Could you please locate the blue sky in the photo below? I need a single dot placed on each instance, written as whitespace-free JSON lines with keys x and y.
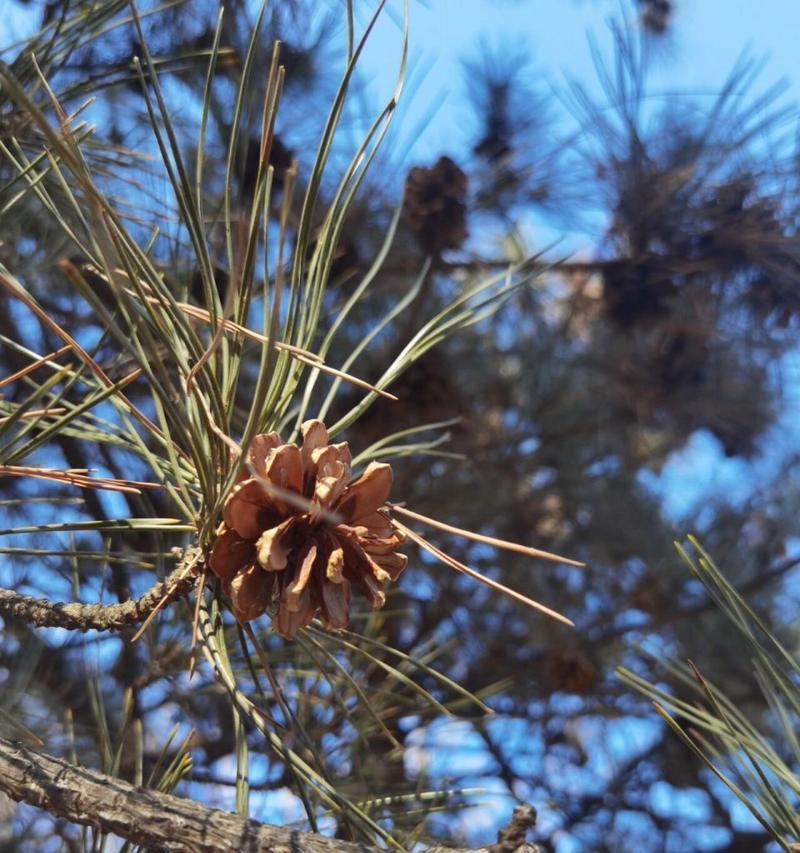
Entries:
{"x":705,"y":41}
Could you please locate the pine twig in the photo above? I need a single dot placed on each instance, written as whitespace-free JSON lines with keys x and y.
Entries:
{"x":76,"y":616}
{"x":511,"y":839}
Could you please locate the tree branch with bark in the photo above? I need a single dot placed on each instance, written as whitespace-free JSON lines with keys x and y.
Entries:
{"x":153,"y":819}
{"x":76,"y":616}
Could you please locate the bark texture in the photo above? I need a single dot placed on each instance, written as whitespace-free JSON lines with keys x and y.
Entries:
{"x":163,"y":821}
{"x":142,"y":815}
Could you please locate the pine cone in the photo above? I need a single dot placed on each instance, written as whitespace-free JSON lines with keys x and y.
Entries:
{"x":273,"y":549}
{"x":436,"y":205}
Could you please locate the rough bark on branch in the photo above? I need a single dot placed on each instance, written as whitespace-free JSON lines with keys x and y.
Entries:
{"x":76,"y":616}
{"x":142,"y":816}
{"x":147,"y":817}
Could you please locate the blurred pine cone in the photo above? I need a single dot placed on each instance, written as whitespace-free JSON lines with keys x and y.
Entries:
{"x":436,"y":206}
{"x":571,"y":671}
{"x":656,"y":15}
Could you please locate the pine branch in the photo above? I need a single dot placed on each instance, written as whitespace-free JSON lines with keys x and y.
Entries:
{"x":153,"y":819}
{"x":76,"y":616}
{"x":141,"y":816}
